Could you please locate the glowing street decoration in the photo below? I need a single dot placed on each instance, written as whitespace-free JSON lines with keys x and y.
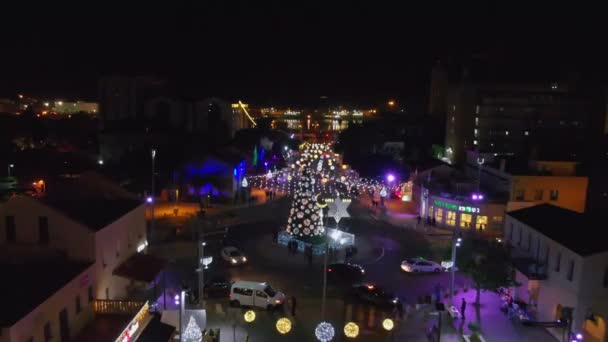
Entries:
{"x":142,"y":246}
{"x":388,"y":324}
{"x":283,"y":325}
{"x":244,"y":183}
{"x":351,"y":330}
{"x":193,"y":332}
{"x":324,"y":332}
{"x":338,"y":209}
{"x":383,"y":192}
{"x":249,"y":316}
{"x":247,"y":113}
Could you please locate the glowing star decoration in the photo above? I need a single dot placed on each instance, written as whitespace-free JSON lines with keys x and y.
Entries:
{"x":283,"y":325}
{"x":383,"y":192}
{"x":338,"y":209}
{"x":193,"y":332}
{"x":244,"y":183}
{"x":269,"y":175}
{"x":324,"y":332}
{"x":388,"y":324}
{"x":249,"y":316}
{"x":351,"y":330}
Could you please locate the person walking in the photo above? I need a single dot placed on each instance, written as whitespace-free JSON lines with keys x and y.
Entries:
{"x":293,"y":306}
{"x":463,"y":307}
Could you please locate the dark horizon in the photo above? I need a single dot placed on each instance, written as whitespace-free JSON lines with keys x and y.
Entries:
{"x":268,"y":57}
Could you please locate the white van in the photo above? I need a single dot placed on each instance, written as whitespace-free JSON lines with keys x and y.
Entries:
{"x":251,"y":293}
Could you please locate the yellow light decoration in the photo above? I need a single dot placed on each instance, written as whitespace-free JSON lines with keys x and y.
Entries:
{"x":351,"y":330}
{"x":388,"y":324}
{"x":249,"y":316}
{"x":324,"y":180}
{"x":283,"y":325}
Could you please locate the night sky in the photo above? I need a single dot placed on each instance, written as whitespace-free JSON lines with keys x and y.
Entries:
{"x":277,"y":54}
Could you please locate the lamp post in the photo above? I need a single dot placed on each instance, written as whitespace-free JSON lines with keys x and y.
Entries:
{"x":181,"y":302}
{"x":321,"y":205}
{"x":480,"y":162}
{"x":455,"y":244}
{"x":8,"y":168}
{"x":201,"y":273}
{"x":152,"y":221}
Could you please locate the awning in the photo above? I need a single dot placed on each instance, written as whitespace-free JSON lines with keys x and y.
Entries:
{"x":140,"y":267}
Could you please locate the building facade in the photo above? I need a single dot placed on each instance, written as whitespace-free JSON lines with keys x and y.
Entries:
{"x":564,"y":275}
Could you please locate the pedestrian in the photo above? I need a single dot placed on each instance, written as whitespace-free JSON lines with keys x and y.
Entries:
{"x":463,"y":307}
{"x":293,"y":306}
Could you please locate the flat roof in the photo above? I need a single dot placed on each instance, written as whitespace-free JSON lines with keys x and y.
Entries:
{"x":25,"y":286}
{"x":571,"y":229}
{"x":94,"y":213}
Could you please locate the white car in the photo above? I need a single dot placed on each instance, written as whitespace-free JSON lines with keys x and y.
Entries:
{"x":233,"y":255}
{"x":420,"y":265}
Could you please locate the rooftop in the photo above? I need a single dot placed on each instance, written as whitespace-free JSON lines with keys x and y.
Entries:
{"x":558,"y":224}
{"x":26,"y":286}
{"x":96,"y":214}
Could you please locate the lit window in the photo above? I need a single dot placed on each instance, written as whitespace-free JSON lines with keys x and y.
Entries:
{"x":453,"y":119}
{"x":526,"y":133}
{"x":538,"y":195}
{"x":506,"y":132}
{"x":571,"y":270}
{"x":451,"y":219}
{"x":439,"y":215}
{"x":520,"y":194}
{"x":477,"y":109}
{"x":475,"y":132}
{"x":553,"y":195}
{"x":482,"y":222}
{"x":474,"y":142}
{"x":465,"y":220}
{"x":476,"y":121}
{"x":497,"y":219}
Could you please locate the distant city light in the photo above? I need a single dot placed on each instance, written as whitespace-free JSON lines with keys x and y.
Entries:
{"x":100,"y":162}
{"x":391,"y":103}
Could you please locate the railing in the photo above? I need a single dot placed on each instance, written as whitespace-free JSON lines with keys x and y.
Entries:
{"x":121,"y":307}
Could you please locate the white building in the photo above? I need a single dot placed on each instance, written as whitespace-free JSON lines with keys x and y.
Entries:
{"x":562,"y":265}
{"x":78,"y":244}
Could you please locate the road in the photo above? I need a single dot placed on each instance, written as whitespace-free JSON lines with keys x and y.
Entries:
{"x":382,"y":248}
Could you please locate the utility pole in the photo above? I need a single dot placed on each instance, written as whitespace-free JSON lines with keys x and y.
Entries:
{"x":455,"y":244}
{"x":152,"y":220}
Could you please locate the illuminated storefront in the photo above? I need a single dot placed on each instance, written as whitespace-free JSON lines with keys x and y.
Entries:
{"x":462,"y":214}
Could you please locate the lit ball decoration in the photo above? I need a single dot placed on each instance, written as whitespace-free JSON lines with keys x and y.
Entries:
{"x":324,"y":332}
{"x":283,"y":325}
{"x":351,"y":330}
{"x":249,"y":316}
{"x":388,"y":324}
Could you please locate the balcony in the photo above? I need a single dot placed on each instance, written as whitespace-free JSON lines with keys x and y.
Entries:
{"x":532,"y":269}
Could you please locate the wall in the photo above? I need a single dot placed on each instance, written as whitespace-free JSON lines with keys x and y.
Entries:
{"x":48,"y":311}
{"x":572,"y":191}
{"x":113,"y":245}
{"x":65,"y":234}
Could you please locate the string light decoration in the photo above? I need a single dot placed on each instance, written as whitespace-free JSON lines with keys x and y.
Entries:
{"x":283,"y":325}
{"x":193,"y":332}
{"x":351,"y":330}
{"x":304,"y":219}
{"x":324,"y":332}
{"x":249,"y":316}
{"x":388,"y":324}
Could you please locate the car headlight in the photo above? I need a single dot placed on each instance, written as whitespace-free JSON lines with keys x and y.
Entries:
{"x":277,"y":301}
{"x":395,"y":301}
{"x":244,"y":259}
{"x":233,"y":260}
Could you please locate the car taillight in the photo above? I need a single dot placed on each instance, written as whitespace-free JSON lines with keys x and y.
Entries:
{"x":329,"y":270}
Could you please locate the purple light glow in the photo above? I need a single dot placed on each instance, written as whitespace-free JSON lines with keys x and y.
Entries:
{"x":390,"y":178}
{"x":579,"y":336}
{"x":474,"y":196}
{"x":149,"y":199}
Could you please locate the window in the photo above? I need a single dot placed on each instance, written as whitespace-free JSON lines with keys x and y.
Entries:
{"x":558,"y":261}
{"x":465,"y":220}
{"x":475,"y":132}
{"x":243,"y":292}
{"x":474,"y":142}
{"x":538,"y":195}
{"x":451,"y":218}
{"x":506,"y":132}
{"x":497,"y":219}
{"x":47,"y":332}
{"x":90,"y":293}
{"x":476,"y":121}
{"x":605,"y":280}
{"x":520,"y":194}
{"x":11,"y":232}
{"x":439,"y":214}
{"x":526,"y":133}
{"x":553,"y":195}
{"x":519,"y":238}
{"x":571,"y":270}
{"x":529,"y":241}
{"x":260,"y":294}
{"x":78,"y":305}
{"x":482,"y":222}
{"x":43,"y":230}
{"x":430,"y":213}
{"x":511,"y":233}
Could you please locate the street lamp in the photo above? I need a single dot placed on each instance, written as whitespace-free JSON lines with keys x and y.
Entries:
{"x":152,"y":223}
{"x":10,"y":166}
{"x":455,"y":245}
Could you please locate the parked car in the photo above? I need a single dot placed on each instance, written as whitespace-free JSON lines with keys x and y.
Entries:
{"x":373,"y":294}
{"x":233,"y":255}
{"x":217,"y":288}
{"x":345,"y":272}
{"x":251,"y":293}
{"x":419,"y":265}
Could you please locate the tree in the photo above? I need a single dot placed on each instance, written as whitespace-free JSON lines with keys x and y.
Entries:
{"x":305,"y":218}
{"x":487,"y":263}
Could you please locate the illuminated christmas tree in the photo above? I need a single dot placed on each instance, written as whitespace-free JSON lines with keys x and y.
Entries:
{"x":305,"y":218}
{"x":193,"y":332}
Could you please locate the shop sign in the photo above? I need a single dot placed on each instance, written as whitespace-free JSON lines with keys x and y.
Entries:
{"x":451,"y":206}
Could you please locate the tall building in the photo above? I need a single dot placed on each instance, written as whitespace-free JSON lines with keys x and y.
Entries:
{"x":438,"y":92}
{"x":516,"y":118}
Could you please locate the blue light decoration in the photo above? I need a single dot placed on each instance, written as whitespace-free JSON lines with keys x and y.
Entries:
{"x":234,"y":171}
{"x":261,"y":153}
